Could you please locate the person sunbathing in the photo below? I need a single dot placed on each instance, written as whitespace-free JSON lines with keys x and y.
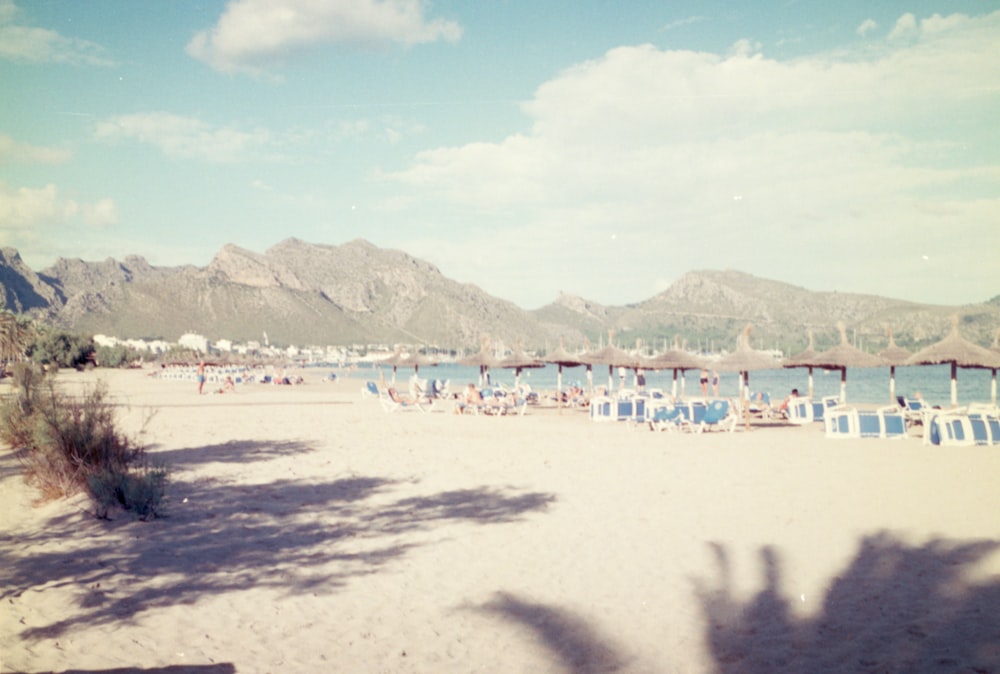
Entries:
{"x":783,"y":408}
{"x":471,"y":402}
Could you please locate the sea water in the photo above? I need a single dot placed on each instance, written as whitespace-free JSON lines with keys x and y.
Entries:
{"x":864,"y":385}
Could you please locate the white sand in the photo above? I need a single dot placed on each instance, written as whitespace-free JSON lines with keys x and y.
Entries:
{"x":309,"y":531}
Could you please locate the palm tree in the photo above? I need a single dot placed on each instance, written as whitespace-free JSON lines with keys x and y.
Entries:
{"x":15,"y":335}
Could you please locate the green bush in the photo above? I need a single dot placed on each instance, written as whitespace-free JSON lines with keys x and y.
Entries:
{"x":62,"y":349}
{"x":140,"y":490}
{"x":115,"y":356}
{"x":71,"y":443}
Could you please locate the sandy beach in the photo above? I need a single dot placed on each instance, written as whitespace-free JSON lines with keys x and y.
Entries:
{"x":307,"y":530}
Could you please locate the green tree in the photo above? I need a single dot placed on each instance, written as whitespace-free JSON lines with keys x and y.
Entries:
{"x":15,"y":337}
{"x":62,"y":349}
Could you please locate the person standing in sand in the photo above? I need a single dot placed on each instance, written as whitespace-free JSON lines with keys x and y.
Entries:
{"x":201,"y":376}
{"x":703,"y":380}
{"x":715,"y":383}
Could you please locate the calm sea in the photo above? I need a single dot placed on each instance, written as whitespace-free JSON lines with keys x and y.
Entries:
{"x":864,"y":385}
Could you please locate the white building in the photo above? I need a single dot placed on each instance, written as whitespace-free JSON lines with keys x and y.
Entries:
{"x":194,"y":342}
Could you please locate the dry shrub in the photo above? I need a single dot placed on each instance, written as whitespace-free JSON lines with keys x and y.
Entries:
{"x":67,"y":444}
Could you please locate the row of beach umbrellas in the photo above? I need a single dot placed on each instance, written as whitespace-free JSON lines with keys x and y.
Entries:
{"x":953,"y":350}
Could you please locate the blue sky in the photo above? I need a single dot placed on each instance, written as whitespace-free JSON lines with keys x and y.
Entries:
{"x":601,"y":149}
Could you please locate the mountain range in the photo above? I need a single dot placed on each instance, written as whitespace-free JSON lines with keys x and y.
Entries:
{"x":356,"y":293}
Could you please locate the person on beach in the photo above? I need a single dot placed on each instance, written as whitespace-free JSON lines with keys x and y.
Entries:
{"x":783,"y":409}
{"x":715,"y":383}
{"x":471,"y":402}
{"x":201,"y":376}
{"x":703,"y":380}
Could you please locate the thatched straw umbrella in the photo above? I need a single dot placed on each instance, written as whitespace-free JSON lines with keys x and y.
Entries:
{"x":613,"y":357}
{"x":804,"y":359}
{"x":678,"y":360}
{"x":894,"y":355}
{"x":562,"y":358}
{"x":518,"y":360}
{"x":395,"y":360}
{"x":843,"y":356}
{"x":957,"y":352}
{"x":745,"y":360}
{"x":483,"y":359}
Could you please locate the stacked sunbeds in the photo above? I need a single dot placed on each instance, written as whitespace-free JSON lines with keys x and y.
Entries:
{"x":975,"y":425}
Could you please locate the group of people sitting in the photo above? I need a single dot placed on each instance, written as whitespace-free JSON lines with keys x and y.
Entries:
{"x":498,"y":402}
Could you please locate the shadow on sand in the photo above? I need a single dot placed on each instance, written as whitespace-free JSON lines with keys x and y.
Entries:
{"x":574,"y":645}
{"x":896,"y":608}
{"x":292,"y":535}
{"x":225,"y":668}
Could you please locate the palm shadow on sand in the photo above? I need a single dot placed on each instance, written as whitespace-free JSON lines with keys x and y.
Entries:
{"x":896,"y":608}
{"x":290,"y":535}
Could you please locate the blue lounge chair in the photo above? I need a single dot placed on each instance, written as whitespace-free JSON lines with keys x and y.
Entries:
{"x":625,"y":408}
{"x":982,"y":433}
{"x":841,"y":422}
{"x":665,"y":418}
{"x":715,"y":416}
{"x":800,"y":411}
{"x":869,"y":424}
{"x":600,"y":409}
{"x":949,"y":429}
{"x":893,"y":423}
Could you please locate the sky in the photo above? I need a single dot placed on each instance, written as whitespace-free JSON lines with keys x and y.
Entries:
{"x":595,"y":148}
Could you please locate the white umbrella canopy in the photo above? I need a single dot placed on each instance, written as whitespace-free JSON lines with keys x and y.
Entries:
{"x":957,"y":352}
{"x":894,"y":355}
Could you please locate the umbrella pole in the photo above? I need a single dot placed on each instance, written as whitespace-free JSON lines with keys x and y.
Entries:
{"x":745,"y":390}
{"x":673,"y":392}
{"x":843,"y":386}
{"x":810,"y":383}
{"x":559,"y":389}
{"x":993,"y":388}
{"x":892,"y":384}
{"x":954,"y":383}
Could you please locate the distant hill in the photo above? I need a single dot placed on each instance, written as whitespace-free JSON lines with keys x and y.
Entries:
{"x":313,"y":294}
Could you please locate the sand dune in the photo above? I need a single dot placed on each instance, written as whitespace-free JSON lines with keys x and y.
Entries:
{"x":309,"y":531}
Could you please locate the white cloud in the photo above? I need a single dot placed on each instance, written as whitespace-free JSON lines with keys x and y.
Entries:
{"x":251,"y":34}
{"x":40,"y":45}
{"x":680,"y":23}
{"x":867,"y":26}
{"x":102,"y":213}
{"x":32,"y":219}
{"x":14,"y":152}
{"x":906,"y":26}
{"x":186,"y":137}
{"x":837,"y":157}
